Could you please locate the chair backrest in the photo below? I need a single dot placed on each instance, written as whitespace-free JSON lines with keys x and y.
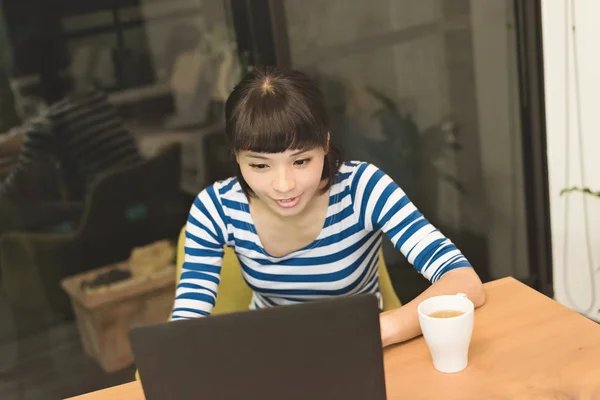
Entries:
{"x":235,"y":295}
{"x":129,"y":207}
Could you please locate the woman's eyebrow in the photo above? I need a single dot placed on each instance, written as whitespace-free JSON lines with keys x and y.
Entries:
{"x":299,"y":152}
{"x":253,"y":155}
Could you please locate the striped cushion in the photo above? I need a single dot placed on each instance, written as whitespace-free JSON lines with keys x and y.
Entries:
{"x":84,"y":134}
{"x":91,"y":138}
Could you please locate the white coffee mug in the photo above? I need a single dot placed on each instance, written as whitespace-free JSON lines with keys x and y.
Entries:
{"x":448,"y":339}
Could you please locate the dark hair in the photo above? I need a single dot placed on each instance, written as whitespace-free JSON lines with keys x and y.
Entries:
{"x":272,"y":110}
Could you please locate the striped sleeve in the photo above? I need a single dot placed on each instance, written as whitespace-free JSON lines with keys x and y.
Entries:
{"x":205,"y":236}
{"x":383,"y":205}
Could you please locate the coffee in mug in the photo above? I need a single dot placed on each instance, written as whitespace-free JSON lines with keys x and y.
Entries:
{"x":446,"y":314}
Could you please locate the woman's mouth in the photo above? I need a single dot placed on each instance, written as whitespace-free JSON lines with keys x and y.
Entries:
{"x":288,"y":203}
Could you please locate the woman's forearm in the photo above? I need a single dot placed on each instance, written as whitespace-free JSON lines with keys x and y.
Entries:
{"x":402,"y":323}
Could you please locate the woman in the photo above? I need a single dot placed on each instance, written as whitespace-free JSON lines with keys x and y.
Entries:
{"x":304,"y":224}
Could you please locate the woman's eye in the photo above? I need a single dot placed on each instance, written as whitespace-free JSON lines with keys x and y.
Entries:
{"x":302,"y":162}
{"x":259,"y":166}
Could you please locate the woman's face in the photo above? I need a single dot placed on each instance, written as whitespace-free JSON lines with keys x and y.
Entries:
{"x":285,"y":182}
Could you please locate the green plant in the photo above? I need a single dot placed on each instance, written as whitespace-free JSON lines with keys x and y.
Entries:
{"x":584,"y":190}
{"x":408,"y":149}
{"x":399,"y":151}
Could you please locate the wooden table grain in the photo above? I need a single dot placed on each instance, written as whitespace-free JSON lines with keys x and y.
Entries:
{"x":524,"y":346}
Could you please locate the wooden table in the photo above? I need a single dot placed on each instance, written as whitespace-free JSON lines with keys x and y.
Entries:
{"x":525,"y":346}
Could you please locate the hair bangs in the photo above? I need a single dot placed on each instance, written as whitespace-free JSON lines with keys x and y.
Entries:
{"x":274,"y":123}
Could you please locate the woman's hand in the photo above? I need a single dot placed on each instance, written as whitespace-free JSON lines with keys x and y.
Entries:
{"x":402,"y":323}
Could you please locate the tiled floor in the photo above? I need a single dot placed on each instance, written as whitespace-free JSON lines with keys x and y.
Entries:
{"x":49,"y":364}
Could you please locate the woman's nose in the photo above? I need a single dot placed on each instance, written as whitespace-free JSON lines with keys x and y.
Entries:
{"x":284,"y":181}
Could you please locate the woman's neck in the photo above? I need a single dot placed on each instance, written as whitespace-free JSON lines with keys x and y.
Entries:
{"x":304,"y":218}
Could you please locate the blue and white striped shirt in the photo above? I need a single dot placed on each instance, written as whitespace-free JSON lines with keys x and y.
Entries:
{"x":343,"y":260}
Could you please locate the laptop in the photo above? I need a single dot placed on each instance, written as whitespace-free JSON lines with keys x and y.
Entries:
{"x":322,"y":349}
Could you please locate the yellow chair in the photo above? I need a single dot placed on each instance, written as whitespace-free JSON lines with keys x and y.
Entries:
{"x":235,"y":295}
